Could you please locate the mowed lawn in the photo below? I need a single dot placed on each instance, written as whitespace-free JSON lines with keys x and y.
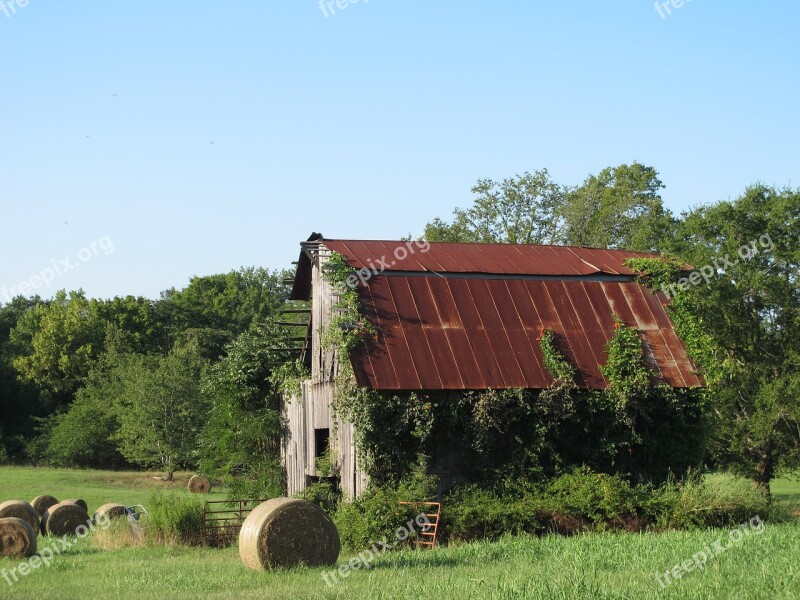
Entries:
{"x":595,"y":566}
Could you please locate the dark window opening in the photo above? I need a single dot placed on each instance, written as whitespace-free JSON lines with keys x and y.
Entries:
{"x":322,"y":440}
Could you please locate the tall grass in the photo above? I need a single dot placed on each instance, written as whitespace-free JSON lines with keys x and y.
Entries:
{"x":174,"y":519}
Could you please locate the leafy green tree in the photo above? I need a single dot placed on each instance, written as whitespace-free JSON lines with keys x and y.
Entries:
{"x":748,"y":302}
{"x":162,"y":410}
{"x":84,"y":435}
{"x":62,"y":338}
{"x":214,"y":309}
{"x":525,"y":209}
{"x":20,"y":401}
{"x":241,"y":443}
{"x":619,"y":208}
{"x":138,"y":319}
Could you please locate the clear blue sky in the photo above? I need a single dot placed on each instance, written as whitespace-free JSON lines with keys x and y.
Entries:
{"x":363,"y":124}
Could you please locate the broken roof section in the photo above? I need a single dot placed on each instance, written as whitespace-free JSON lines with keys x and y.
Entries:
{"x":467,"y":316}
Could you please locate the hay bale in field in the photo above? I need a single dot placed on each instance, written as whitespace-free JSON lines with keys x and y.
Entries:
{"x":287,"y":532}
{"x":110,"y":511}
{"x":65,"y":518}
{"x":79,"y":502}
{"x":199,"y":484}
{"x":17,"y":538}
{"x":42,"y":503}
{"x":20,"y":510}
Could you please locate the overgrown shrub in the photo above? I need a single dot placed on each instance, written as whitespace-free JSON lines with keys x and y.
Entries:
{"x":597,"y":497}
{"x":473,"y":513}
{"x":371,"y":518}
{"x":174,"y":519}
{"x":586,"y":501}
{"x":694,"y":503}
{"x":324,"y":494}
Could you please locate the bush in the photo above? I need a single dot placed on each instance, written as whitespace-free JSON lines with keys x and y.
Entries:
{"x":371,"y":518}
{"x":377,"y":514}
{"x":596,"y":497}
{"x":175,"y":519}
{"x":324,"y":494}
{"x":586,"y":501}
{"x":3,"y":455}
{"x":472,"y":513}
{"x":694,"y":503}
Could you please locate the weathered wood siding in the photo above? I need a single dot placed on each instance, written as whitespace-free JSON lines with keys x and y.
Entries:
{"x":313,"y":409}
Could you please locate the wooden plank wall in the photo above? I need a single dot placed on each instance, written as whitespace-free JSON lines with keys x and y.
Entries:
{"x":313,"y":409}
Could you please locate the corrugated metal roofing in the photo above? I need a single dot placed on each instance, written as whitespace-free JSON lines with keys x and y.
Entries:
{"x":467,"y":316}
{"x":510,"y":259}
{"x":472,"y":333}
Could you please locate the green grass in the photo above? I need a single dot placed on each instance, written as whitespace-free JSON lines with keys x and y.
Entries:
{"x":594,"y":566}
{"x":96,"y":487}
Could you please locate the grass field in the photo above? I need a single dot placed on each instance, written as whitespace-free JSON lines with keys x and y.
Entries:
{"x":597,"y":566}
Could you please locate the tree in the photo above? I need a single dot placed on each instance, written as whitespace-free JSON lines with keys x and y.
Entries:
{"x":84,"y":435}
{"x":61,"y":339}
{"x":241,"y":443}
{"x":162,"y":410}
{"x":20,"y":401}
{"x":748,"y":304}
{"x":521,"y":210}
{"x":214,"y":309}
{"x":618,"y":208}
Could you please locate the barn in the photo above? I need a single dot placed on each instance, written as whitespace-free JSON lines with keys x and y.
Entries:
{"x":452,"y":316}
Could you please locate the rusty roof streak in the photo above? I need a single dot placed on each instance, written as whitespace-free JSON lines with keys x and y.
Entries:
{"x":432,"y":365}
{"x":525,"y":354}
{"x":400,"y":328}
{"x":489,"y":366}
{"x":519,"y":294}
{"x":381,"y":328}
{"x":457,"y":337}
{"x":576,"y":292}
{"x":447,"y":365}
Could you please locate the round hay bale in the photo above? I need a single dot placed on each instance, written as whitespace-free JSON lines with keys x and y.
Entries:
{"x":17,"y":538}
{"x":79,"y":502}
{"x":65,"y":518}
{"x":42,"y":503}
{"x":20,"y":510}
{"x":287,"y":532}
{"x":110,"y":511}
{"x":199,"y":484}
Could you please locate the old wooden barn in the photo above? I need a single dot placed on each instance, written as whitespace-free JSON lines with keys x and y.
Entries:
{"x":464,"y":317}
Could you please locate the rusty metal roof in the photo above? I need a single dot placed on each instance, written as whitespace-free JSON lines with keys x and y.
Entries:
{"x":509,"y":259}
{"x":467,"y":316}
{"x":472,"y":333}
